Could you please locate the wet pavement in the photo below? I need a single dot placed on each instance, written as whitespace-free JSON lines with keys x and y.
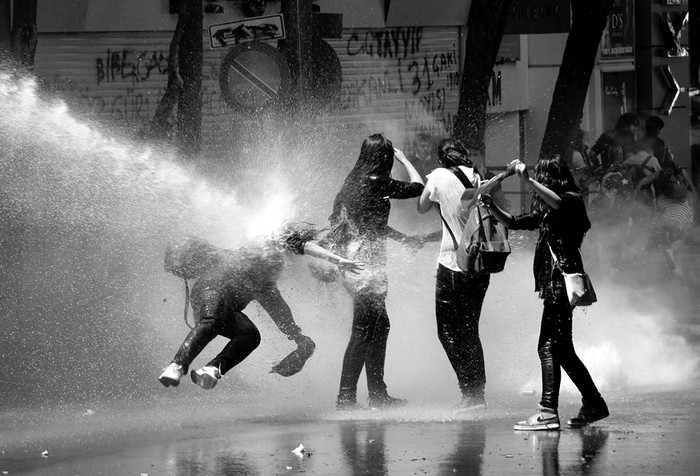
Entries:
{"x":648,"y":433}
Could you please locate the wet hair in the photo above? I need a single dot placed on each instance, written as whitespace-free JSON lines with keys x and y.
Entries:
{"x":376,"y":157}
{"x":452,"y":153}
{"x":293,"y":236}
{"x":626,"y":120}
{"x":653,"y":125}
{"x":191,"y":258}
{"x":553,"y":173}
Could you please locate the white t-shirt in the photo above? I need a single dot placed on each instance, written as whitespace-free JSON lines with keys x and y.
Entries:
{"x":446,"y":189}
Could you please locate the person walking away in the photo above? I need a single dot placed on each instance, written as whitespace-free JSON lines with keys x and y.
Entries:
{"x":559,"y":212}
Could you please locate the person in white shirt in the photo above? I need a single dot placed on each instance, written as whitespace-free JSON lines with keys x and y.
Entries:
{"x":458,"y":296}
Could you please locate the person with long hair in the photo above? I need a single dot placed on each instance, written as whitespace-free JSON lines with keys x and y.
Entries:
{"x":559,"y":212}
{"x":226,"y":282}
{"x":359,"y":229}
{"x":458,"y":296}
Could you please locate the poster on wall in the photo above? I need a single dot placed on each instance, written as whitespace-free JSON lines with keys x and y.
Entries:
{"x":619,"y":94}
{"x":618,"y":37}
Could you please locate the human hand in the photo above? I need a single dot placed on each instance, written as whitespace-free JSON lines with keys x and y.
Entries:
{"x":511,"y":169}
{"x":486,"y":200}
{"x":399,"y":155}
{"x":350,"y":265}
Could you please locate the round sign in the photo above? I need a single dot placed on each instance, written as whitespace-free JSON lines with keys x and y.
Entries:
{"x":253,"y":76}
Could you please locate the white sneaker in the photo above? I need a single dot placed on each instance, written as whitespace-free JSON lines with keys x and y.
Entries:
{"x":171,"y":375}
{"x":206,"y":377}
{"x":544,"y":420}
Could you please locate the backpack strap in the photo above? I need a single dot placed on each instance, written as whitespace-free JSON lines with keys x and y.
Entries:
{"x":644,"y":164}
{"x":462,"y":178}
{"x":454,"y":240}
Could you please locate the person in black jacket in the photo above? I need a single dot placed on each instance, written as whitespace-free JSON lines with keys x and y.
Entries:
{"x":559,"y":212}
{"x":227,"y":281}
{"x":359,"y":229}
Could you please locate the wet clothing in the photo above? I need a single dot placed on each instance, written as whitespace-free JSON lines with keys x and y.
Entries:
{"x":458,"y":296}
{"x":458,"y":301}
{"x":562,"y":229}
{"x":218,"y":298}
{"x":363,"y":204}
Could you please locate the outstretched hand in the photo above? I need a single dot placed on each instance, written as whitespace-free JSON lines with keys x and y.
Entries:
{"x":350,"y":265}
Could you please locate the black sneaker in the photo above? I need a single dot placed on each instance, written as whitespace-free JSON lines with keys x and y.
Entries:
{"x":589,"y":413}
{"x":385,"y":401}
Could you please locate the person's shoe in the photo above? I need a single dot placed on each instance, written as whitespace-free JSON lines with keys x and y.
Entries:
{"x":470,"y":405}
{"x":545,"y":419}
{"x":589,"y":413}
{"x":171,"y":375}
{"x":344,"y":403}
{"x":386,"y":401}
{"x":206,"y":377}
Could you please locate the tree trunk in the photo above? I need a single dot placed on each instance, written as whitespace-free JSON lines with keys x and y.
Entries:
{"x":485,"y":26}
{"x":189,"y":111}
{"x":184,"y":81}
{"x":588,"y":20}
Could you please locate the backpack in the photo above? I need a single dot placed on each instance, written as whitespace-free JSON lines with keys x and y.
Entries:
{"x":484,"y":246}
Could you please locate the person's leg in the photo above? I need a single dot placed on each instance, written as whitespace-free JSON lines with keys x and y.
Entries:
{"x":203,"y":332}
{"x":546,"y":348}
{"x":363,"y":327}
{"x":458,"y":303}
{"x":245,"y":338}
{"x":376,"y":351}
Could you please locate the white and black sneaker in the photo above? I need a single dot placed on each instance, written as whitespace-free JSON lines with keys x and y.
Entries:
{"x":206,"y":377}
{"x":171,"y":375}
{"x":545,"y":419}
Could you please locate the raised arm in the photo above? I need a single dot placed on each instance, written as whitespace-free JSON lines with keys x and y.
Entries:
{"x":413,"y":174}
{"x":549,"y":197}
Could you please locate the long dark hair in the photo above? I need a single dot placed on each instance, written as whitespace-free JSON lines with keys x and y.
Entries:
{"x":376,"y":159}
{"x":553,"y":173}
{"x":452,"y":153}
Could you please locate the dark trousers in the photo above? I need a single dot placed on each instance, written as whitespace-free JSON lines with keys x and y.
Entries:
{"x":458,"y":301}
{"x":236,"y":326}
{"x":556,"y":350}
{"x":367,"y":347}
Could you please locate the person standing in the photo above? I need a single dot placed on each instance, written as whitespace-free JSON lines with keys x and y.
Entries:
{"x":458,"y":296}
{"x":359,"y":226}
{"x":559,"y":212}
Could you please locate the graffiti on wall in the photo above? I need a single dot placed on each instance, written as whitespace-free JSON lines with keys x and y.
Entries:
{"x":407,"y":71}
{"x":125,"y":86}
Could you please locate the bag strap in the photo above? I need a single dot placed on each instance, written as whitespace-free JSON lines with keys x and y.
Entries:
{"x":462,"y":178}
{"x":454,"y":240}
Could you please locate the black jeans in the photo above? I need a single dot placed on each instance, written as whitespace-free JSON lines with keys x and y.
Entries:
{"x":556,"y":350}
{"x":367,"y":347}
{"x":236,"y":326}
{"x":458,"y":301}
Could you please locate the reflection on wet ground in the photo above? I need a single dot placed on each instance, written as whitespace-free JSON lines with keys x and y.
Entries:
{"x":646,"y":434}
